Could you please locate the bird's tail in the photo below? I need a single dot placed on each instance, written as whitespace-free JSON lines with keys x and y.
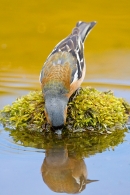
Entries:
{"x":84,"y":28}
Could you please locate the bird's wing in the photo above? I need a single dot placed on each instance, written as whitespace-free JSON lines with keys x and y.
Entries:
{"x":74,"y":47}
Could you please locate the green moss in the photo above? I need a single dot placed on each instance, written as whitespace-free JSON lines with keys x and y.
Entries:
{"x":26,"y":112}
{"x":79,"y":144}
{"x":90,"y":110}
{"x":98,"y":111}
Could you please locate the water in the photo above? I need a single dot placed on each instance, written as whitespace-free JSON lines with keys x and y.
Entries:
{"x":28,"y":33}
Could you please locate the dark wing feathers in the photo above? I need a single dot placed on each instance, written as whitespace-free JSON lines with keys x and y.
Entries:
{"x":74,"y":45}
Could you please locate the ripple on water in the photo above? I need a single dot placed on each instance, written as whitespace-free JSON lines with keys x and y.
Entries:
{"x":14,"y":82}
{"x":8,"y":146}
{"x":14,"y":85}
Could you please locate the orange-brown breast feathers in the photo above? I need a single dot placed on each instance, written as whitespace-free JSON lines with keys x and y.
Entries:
{"x":58,"y":71}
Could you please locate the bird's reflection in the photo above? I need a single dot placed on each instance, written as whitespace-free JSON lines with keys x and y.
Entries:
{"x":63,"y":172}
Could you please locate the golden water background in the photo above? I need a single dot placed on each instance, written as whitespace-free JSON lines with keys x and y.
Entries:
{"x":29,"y":30}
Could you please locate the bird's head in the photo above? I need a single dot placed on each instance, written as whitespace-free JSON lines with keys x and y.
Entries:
{"x":56,"y":110}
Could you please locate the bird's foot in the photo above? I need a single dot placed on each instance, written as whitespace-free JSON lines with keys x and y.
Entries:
{"x":75,"y":94}
{"x":46,"y":126}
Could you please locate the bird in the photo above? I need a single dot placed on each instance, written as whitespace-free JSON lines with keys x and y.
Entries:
{"x":63,"y":72}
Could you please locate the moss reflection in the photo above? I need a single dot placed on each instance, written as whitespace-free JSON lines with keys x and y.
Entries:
{"x":81,"y":144}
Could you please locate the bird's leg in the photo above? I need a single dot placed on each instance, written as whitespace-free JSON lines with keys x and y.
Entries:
{"x":46,"y":126}
{"x":73,"y":96}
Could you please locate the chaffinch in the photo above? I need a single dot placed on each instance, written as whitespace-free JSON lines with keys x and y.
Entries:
{"x":63,"y":73}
